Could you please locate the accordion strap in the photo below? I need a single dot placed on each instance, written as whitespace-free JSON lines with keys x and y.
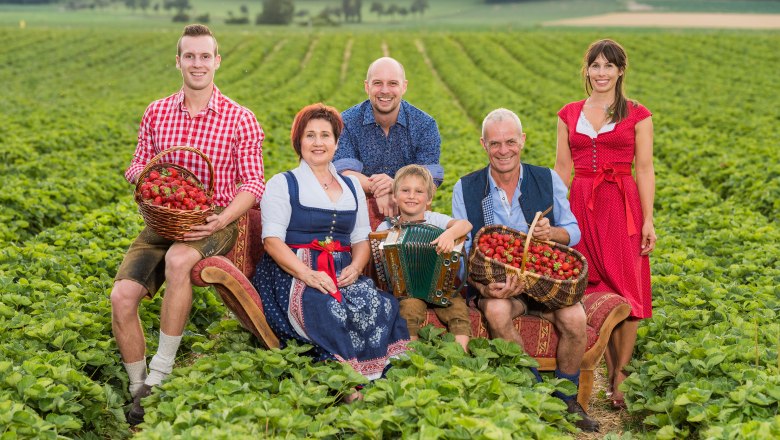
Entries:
{"x":397,"y":222}
{"x":325,"y":262}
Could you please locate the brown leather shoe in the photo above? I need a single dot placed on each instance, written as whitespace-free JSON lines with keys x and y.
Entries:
{"x":586,"y":423}
{"x":136,"y":414}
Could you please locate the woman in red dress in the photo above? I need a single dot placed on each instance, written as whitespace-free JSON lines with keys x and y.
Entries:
{"x":601,"y":137}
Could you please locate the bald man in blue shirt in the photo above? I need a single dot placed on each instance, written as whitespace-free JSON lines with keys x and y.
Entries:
{"x":383,"y":134}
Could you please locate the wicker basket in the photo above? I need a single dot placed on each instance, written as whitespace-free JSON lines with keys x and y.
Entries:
{"x":553,"y":293}
{"x":168,"y":222}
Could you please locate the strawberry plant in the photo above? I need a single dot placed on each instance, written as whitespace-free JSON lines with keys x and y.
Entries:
{"x":705,"y":366}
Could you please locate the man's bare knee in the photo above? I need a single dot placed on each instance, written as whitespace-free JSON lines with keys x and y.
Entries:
{"x":496,"y":310}
{"x":571,"y":320}
{"x":125,"y":296}
{"x":179,"y":260}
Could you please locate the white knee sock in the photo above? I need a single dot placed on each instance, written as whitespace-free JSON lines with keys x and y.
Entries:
{"x":162,"y":362}
{"x":136,"y":372}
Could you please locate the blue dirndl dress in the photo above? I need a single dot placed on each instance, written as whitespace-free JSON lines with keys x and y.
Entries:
{"x":364,"y":330}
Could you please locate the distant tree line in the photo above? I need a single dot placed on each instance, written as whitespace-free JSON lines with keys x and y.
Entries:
{"x":393,"y":9}
{"x":274,"y":11}
{"x":507,"y":1}
{"x":27,"y":2}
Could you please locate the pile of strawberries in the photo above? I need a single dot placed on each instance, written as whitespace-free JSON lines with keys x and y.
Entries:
{"x":543,"y":259}
{"x":167,"y":187}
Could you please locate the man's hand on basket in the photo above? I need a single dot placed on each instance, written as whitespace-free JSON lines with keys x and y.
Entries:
{"x":512,"y":287}
{"x":542,"y":230}
{"x":213,"y":224}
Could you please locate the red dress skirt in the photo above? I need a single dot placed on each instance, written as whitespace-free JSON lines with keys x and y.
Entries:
{"x":605,"y":200}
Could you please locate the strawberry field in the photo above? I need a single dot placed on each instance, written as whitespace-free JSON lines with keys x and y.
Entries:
{"x":706,"y":365}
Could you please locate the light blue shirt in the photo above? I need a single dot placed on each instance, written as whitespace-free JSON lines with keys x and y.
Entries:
{"x":511,"y":214}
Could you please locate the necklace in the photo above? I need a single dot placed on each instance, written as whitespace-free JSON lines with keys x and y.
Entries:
{"x":325,"y":185}
{"x":607,"y":108}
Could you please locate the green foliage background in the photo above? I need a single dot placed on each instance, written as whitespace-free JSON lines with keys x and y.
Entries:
{"x":706,"y":365}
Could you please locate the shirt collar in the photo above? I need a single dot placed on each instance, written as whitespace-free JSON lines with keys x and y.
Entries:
{"x":492,"y":182}
{"x":215,"y":102}
{"x":369,"y":119}
{"x":304,"y":166}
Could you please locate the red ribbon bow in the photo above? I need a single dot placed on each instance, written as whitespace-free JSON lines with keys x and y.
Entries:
{"x":325,"y":262}
{"x":613,"y":173}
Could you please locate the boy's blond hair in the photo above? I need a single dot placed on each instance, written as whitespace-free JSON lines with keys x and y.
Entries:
{"x":415,"y":171}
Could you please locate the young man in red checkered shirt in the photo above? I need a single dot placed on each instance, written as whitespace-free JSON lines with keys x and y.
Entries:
{"x":228,"y":134}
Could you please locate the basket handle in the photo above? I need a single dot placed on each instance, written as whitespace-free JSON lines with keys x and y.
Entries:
{"x":538,"y":215}
{"x":156,"y":159}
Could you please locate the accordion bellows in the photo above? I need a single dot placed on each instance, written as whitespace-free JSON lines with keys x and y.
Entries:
{"x":553,"y":293}
{"x":408,"y":265}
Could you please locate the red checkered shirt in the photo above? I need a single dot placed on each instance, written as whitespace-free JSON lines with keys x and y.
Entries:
{"x":227,"y":133}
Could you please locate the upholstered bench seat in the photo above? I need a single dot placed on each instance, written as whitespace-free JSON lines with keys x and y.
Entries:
{"x":230,"y":277}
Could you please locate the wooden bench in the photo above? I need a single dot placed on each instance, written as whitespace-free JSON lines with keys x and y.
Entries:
{"x":230,"y":275}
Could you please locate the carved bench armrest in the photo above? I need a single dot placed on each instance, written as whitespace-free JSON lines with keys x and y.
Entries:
{"x":238,"y":294}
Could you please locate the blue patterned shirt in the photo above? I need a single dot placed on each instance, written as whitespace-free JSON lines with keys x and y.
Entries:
{"x":413,"y":139}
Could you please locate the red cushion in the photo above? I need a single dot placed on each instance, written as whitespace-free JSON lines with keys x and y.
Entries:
{"x":249,"y":245}
{"x":540,"y":339}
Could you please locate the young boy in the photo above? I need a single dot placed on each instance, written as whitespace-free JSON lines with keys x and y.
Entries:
{"x":413,"y":189}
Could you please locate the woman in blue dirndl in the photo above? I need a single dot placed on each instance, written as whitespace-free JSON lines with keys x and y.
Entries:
{"x":315,"y":234}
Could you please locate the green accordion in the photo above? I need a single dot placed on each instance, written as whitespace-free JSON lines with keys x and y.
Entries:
{"x":408,"y":265}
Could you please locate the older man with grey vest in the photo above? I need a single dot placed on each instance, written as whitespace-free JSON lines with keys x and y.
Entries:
{"x":510,"y":193}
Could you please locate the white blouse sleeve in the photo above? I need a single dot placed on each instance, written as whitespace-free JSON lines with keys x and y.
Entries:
{"x":275,"y":208}
{"x":362,"y":225}
{"x":437,"y":219}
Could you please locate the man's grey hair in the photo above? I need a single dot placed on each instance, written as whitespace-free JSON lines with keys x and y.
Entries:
{"x":383,"y":59}
{"x":501,"y":114}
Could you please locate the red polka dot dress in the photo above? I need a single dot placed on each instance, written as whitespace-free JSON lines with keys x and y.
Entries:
{"x":605,"y":199}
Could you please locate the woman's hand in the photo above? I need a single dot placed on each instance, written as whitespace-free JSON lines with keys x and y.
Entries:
{"x":648,"y":238}
{"x":348,"y":276}
{"x":386,"y":205}
{"x":319,"y":280}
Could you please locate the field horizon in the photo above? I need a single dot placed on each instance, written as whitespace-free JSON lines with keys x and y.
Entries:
{"x":442,"y":15}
